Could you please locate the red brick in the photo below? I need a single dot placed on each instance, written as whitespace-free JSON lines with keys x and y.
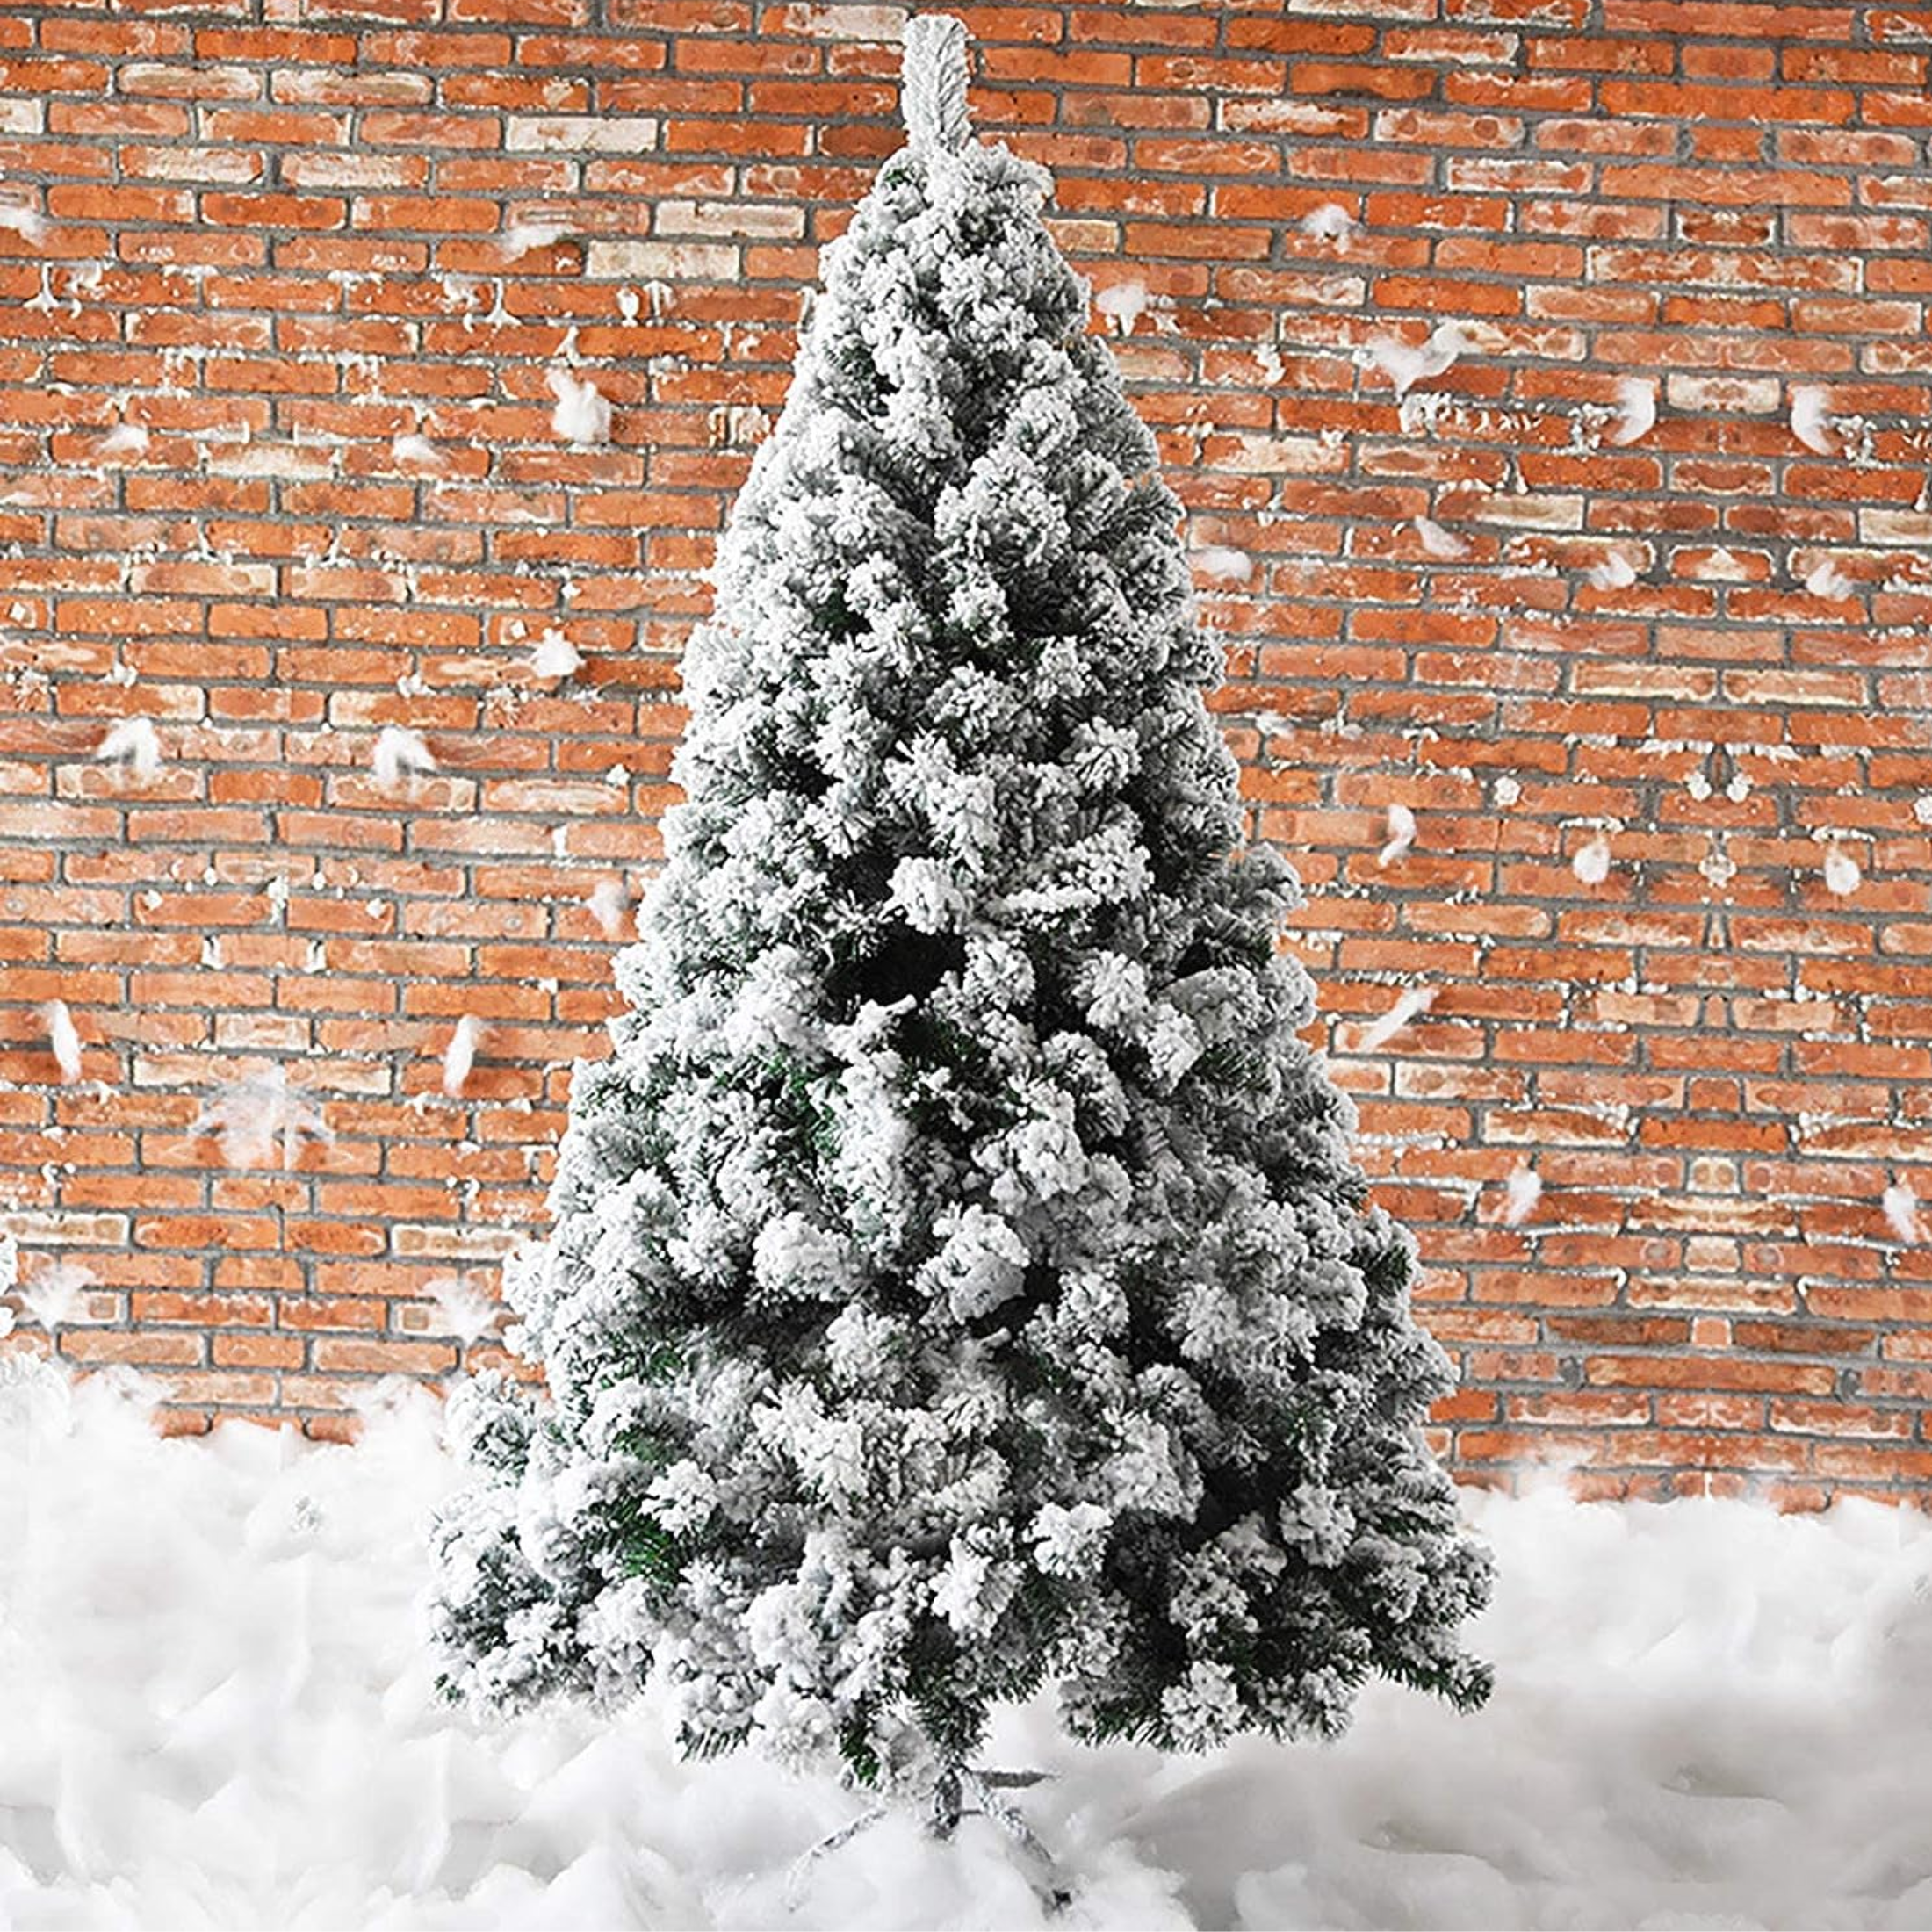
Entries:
{"x":1722,"y":196}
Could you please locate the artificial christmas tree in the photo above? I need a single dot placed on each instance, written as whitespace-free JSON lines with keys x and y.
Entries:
{"x":960,"y":1280}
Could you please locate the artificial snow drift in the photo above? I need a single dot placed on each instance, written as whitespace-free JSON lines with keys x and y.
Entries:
{"x":218,"y":1713}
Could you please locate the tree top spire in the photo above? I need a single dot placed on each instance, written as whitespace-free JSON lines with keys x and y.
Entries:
{"x":933,"y":90}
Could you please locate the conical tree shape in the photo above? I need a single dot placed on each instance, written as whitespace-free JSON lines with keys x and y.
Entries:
{"x":960,"y":1280}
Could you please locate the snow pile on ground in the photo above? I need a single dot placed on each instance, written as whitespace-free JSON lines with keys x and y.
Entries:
{"x":214,"y":1712}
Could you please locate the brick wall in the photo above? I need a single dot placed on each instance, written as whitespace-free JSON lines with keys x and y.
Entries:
{"x":260,"y":242}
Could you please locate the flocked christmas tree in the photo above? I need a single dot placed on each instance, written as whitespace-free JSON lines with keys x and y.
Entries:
{"x":960,"y":1280}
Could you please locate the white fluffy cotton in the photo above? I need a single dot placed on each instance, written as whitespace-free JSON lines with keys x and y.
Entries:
{"x":1402,"y":834}
{"x":1414,"y":1000}
{"x":459,"y":1056}
{"x":1636,"y":411}
{"x":582,"y":414}
{"x":399,"y":755}
{"x":133,"y":742}
{"x":63,"y":1038}
{"x":1842,"y":873}
{"x":1811,"y":423}
{"x":1614,"y":572}
{"x":1591,"y":863}
{"x":1705,"y":1713}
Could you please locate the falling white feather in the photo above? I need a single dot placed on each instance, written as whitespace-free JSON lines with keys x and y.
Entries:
{"x":1415,"y":1000}
{"x":415,"y":450}
{"x":124,"y":439}
{"x":1330,"y":223}
{"x":1439,"y":542}
{"x":1810,"y":423}
{"x":1591,"y":863}
{"x":1826,"y":579}
{"x":1901,"y":1206}
{"x":261,"y":1116}
{"x":1636,"y":411}
{"x":522,"y":238}
{"x":400,"y":754}
{"x":1223,"y":565}
{"x":133,"y":742}
{"x":1123,"y":304}
{"x":459,"y":1056}
{"x":63,"y":1038}
{"x":1402,"y":834}
{"x":1614,"y":572}
{"x":1842,"y":873}
{"x":582,"y":414}
{"x":555,"y":656}
{"x":609,"y":900}
{"x":1521,"y":1192}
{"x":54,"y":1292}
{"x":467,"y":1314}
{"x":1405,"y":366}
{"x":28,"y":223}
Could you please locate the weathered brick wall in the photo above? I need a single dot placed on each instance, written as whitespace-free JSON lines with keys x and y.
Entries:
{"x":261,"y":241}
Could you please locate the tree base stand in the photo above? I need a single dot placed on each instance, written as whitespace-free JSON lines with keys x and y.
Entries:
{"x":959,"y":1791}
